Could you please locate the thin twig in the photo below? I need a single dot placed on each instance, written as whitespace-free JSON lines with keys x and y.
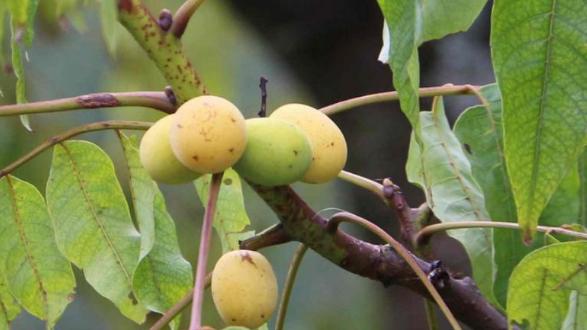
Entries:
{"x":154,"y":100}
{"x":271,"y":236}
{"x":288,"y":286}
{"x":448,"y":89}
{"x":432,"y":229}
{"x":182,"y":16}
{"x":98,"y":126}
{"x":171,"y":313}
{"x":363,"y":182}
{"x":205,"y":238}
{"x":402,"y":251}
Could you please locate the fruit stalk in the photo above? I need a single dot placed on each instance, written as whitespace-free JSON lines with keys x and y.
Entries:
{"x":205,"y":238}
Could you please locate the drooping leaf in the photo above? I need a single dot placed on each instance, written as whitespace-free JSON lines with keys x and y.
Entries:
{"x":410,"y":23}
{"x":401,"y":18}
{"x":577,"y":317}
{"x":443,"y":171}
{"x":541,"y":284}
{"x":540,"y":66}
{"x":93,"y":224}
{"x":9,"y":308}
{"x":109,"y":22}
{"x":163,"y":276}
{"x":31,"y":266}
{"x":22,"y":14}
{"x":231,"y":216}
{"x":479,"y":129}
{"x":582,"y":220}
{"x":441,"y":18}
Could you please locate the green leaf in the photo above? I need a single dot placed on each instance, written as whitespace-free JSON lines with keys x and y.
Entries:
{"x":401,"y":19}
{"x":231,"y":216}
{"x":93,"y":224}
{"x":34,"y":271}
{"x":22,"y":13}
{"x":9,"y":308}
{"x":410,"y":23}
{"x":441,"y":18}
{"x":577,"y":317}
{"x":563,"y":207}
{"x":479,"y":129}
{"x":541,"y":68}
{"x":109,"y":22}
{"x":540,"y":285}
{"x":583,"y":189}
{"x":443,"y":171}
{"x":163,"y":276}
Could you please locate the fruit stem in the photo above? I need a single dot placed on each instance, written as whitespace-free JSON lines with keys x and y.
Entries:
{"x":402,"y":251}
{"x":289,"y":282}
{"x":448,"y":89}
{"x":362,"y":182}
{"x":432,"y":229}
{"x":205,"y":238}
{"x":183,"y":15}
{"x":97,"y":126}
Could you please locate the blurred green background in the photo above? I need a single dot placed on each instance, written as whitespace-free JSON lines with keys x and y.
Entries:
{"x":314,"y":52}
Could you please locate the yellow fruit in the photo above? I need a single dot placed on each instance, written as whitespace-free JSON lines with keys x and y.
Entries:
{"x":329,"y":149}
{"x":244,"y":288}
{"x":157,"y":157}
{"x":208,"y":134}
{"x":277,"y":153}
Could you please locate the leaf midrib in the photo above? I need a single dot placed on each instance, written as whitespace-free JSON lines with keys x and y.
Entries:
{"x":24,"y":240}
{"x":96,"y":218}
{"x":542,"y":105}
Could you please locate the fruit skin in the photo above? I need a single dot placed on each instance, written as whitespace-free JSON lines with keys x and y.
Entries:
{"x":277,"y":153}
{"x":208,"y":134}
{"x":329,"y":146}
{"x":244,"y":288}
{"x":157,"y":157}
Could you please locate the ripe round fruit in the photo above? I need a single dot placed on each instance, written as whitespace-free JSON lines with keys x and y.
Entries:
{"x":277,"y":153}
{"x":157,"y":157}
{"x":208,"y":134}
{"x":244,"y":288}
{"x":328,"y":144}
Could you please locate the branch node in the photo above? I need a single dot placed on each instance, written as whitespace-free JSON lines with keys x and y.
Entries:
{"x":273,"y":235}
{"x":437,"y":275}
{"x":165,"y":19}
{"x":170,"y":94}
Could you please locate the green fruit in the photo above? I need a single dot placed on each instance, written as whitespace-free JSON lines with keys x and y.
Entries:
{"x":329,"y":147}
{"x":208,"y":134}
{"x":157,"y":157}
{"x":244,"y":288}
{"x":277,"y":153}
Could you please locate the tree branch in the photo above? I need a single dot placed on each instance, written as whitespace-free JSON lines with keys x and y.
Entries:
{"x":155,"y":100}
{"x":98,"y":126}
{"x":163,"y":48}
{"x":182,"y":16}
{"x":377,"y":262}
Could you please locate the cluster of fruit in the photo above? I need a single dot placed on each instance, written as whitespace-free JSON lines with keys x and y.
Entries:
{"x":208,"y":134}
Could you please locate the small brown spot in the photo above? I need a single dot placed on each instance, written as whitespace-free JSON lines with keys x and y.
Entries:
{"x":295,"y":152}
{"x":196,"y":158}
{"x":263,"y":316}
{"x":245,"y":256}
{"x":179,"y":126}
{"x":233,"y":319}
{"x":332,"y":144}
{"x":231,"y":150}
{"x":232,"y":120}
{"x":290,"y":166}
{"x":228,"y":181}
